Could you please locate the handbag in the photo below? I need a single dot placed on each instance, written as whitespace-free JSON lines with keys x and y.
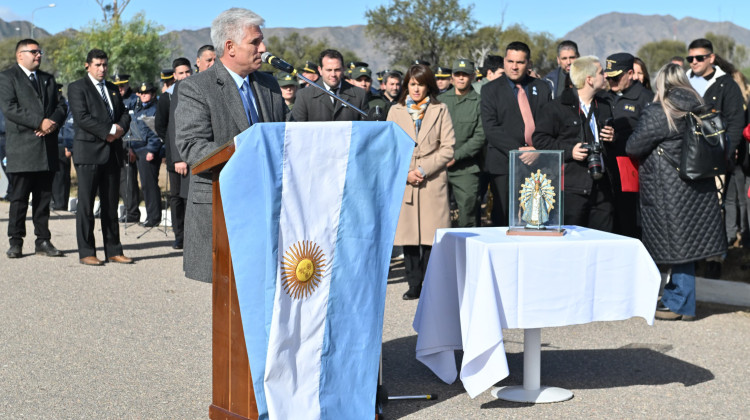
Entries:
{"x":703,"y":146}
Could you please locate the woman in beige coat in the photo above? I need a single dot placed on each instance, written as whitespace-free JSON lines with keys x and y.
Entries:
{"x":425,"y":207}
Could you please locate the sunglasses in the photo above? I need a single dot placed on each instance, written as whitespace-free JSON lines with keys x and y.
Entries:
{"x":34,"y":52}
{"x":698,"y":58}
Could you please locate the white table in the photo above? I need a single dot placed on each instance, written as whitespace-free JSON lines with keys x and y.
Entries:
{"x":480,"y":280}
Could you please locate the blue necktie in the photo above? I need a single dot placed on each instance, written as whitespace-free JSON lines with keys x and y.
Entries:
{"x":247,"y":101}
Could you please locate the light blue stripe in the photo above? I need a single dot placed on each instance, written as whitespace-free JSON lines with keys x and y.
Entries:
{"x":379,"y":159}
{"x":251,"y":193}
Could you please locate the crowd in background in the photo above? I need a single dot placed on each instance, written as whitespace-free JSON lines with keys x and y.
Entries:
{"x":464,"y":119}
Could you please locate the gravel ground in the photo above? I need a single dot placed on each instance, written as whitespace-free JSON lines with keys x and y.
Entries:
{"x":134,"y":342}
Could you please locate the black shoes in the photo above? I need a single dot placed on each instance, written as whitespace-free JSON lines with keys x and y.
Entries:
{"x":14,"y":251}
{"x":124,"y":219}
{"x":177,"y":245}
{"x":46,"y":248}
{"x":412,"y":293}
{"x":149,"y":224}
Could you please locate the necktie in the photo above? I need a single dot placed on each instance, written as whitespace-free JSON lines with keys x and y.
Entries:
{"x":106,"y":102}
{"x":528,"y":118}
{"x":35,"y":82}
{"x":247,"y":101}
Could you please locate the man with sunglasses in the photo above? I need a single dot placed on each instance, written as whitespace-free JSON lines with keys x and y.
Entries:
{"x":720,"y":90}
{"x":34,"y":112}
{"x":628,"y":98}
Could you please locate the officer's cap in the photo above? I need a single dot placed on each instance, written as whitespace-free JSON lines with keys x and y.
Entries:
{"x":285,"y":79}
{"x":167,"y":74}
{"x":120,"y":78}
{"x":309,"y":67}
{"x":463,"y":65}
{"x":358,"y":72}
{"x":442,"y":72}
{"x":618,"y":63}
{"x":146,"y":87}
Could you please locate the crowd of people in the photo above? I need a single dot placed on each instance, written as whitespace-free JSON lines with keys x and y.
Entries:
{"x":464,"y":119}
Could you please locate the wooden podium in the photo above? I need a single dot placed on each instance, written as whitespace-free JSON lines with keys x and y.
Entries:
{"x":233,"y":395}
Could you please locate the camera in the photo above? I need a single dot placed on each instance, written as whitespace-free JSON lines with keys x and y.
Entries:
{"x":594,"y":160}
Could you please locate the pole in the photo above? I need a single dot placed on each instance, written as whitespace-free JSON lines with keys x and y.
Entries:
{"x":32,"y":16}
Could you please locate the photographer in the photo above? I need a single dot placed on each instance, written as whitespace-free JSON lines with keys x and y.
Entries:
{"x":579,"y":123}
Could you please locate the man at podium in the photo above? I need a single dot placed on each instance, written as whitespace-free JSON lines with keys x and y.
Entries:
{"x":213,"y":107}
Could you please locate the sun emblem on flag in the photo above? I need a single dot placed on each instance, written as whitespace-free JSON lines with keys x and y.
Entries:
{"x":302,"y":269}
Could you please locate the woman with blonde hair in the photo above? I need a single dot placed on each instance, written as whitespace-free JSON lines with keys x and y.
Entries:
{"x":681,"y":219}
{"x":425,"y":207}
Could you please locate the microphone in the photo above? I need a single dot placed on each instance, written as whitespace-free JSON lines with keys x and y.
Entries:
{"x":280,"y":64}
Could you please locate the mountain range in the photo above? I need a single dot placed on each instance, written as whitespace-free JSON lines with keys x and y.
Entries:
{"x":600,"y":36}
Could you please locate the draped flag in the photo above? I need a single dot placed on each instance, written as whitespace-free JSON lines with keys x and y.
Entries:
{"x":311,"y":212}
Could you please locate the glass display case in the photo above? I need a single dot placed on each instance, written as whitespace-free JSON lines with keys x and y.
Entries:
{"x":536,"y":200}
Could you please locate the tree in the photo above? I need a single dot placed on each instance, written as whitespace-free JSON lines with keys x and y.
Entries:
{"x":297,"y":49}
{"x":112,"y":11}
{"x":133,"y":47}
{"x":727,"y":48}
{"x":658,"y":53}
{"x":50,"y":45}
{"x":430,"y":30}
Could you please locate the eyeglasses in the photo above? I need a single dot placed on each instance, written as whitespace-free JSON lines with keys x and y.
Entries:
{"x":699,"y":58}
{"x":34,"y":52}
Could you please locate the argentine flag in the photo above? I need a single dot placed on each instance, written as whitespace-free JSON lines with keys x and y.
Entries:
{"x":311,"y":212}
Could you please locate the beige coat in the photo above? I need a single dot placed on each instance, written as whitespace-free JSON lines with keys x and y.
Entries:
{"x":425,"y":208}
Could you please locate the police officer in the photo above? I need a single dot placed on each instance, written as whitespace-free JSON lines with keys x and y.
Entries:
{"x":61,"y":180}
{"x":443,"y":78}
{"x":463,"y":104}
{"x":122,"y":81}
{"x":628,"y":98}
{"x":149,"y":150}
{"x":167,"y":79}
{"x":130,"y":193}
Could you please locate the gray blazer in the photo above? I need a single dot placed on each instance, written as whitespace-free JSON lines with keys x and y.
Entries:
{"x":312,"y":104}
{"x":209,"y":113}
{"x":24,"y":111}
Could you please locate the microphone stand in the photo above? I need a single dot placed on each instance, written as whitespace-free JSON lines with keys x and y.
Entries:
{"x":331,"y":94}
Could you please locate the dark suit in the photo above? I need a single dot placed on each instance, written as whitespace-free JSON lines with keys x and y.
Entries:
{"x":97,"y":163}
{"x":312,"y":104}
{"x":504,"y":129}
{"x":32,"y":160}
{"x":210,"y":113}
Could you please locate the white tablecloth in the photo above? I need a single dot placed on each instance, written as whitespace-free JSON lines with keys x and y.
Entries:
{"x":481,"y":280}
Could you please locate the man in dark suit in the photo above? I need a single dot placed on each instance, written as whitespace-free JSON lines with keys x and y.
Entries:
{"x":177,"y":169}
{"x":212,"y":108}
{"x":101,"y":120}
{"x":506,"y":125}
{"x":314,"y":105}
{"x":34,"y":112}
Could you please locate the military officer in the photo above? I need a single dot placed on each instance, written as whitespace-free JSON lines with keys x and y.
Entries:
{"x":289,"y":86}
{"x":309,"y":70}
{"x":463,"y":104}
{"x":443,"y":78}
{"x":362,"y":77}
{"x":122,"y":81}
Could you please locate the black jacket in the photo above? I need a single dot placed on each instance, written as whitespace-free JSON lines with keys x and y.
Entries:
{"x":24,"y":111}
{"x":92,"y":122}
{"x":561,"y":125}
{"x":726,"y":96}
{"x":312,"y":104}
{"x":681,"y":219}
{"x":502,"y":120}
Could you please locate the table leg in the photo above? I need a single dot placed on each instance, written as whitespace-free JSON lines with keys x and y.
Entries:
{"x":531,"y":391}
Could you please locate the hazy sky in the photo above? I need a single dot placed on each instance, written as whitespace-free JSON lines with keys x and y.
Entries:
{"x":537,"y":15}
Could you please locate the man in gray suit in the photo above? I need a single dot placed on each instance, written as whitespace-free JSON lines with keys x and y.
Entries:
{"x":314,"y":105}
{"x":35,"y":111}
{"x":212,"y":108}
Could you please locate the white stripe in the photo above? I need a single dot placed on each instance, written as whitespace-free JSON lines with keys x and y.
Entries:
{"x":315,"y":161}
